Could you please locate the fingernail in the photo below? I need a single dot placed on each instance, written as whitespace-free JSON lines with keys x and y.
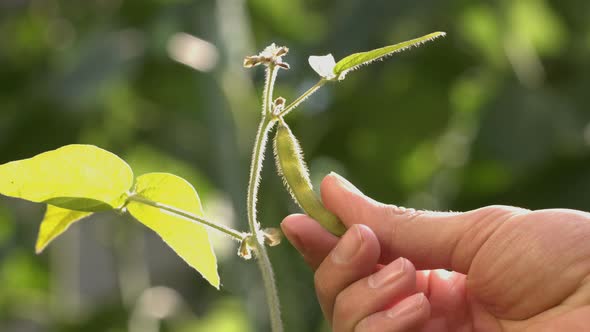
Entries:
{"x":388,"y":274}
{"x":407,"y":306}
{"x":345,"y":183}
{"x":348,"y":246}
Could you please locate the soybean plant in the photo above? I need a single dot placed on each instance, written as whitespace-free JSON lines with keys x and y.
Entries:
{"x":77,"y":180}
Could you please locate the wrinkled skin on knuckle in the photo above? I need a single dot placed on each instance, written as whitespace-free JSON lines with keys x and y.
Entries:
{"x":475,"y":235}
{"x":493,"y":272}
{"x":531,"y":262}
{"x":344,"y":308}
{"x":388,"y":213}
{"x":321,"y":286}
{"x":368,"y":324}
{"x":479,"y":227}
{"x":496,"y":212}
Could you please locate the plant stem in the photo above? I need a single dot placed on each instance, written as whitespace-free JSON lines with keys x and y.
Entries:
{"x":302,"y":98}
{"x":263,"y":260}
{"x":190,"y":216}
{"x":269,"y":84}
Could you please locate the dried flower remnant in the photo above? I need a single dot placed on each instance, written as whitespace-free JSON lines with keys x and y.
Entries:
{"x":247,"y":247}
{"x":272,"y":236}
{"x":272,"y":54}
{"x":278,"y":105}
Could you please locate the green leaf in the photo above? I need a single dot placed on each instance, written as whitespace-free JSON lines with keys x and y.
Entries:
{"x":55,"y":222}
{"x":356,"y":60}
{"x":189,"y":240}
{"x":75,"y":177}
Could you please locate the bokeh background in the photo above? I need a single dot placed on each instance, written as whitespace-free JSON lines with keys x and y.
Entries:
{"x":495,"y":113}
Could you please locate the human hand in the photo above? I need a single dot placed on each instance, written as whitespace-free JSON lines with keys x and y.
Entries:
{"x":514,"y":269}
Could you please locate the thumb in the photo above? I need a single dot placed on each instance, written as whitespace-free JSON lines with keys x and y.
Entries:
{"x":431,"y":240}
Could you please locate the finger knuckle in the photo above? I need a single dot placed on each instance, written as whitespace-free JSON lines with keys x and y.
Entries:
{"x":368,"y":324}
{"x":499,"y":212}
{"x":391,"y":214}
{"x":344,"y":308}
{"x":321,"y":286}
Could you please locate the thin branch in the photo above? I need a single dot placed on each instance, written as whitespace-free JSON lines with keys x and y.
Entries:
{"x":302,"y":98}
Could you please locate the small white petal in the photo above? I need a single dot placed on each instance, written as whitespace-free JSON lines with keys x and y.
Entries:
{"x":269,"y":51}
{"x":323,"y":65}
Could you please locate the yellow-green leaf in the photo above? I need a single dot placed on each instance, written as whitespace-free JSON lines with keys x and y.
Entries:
{"x":189,"y":240}
{"x":55,"y":222}
{"x":75,"y":177}
{"x":356,"y":60}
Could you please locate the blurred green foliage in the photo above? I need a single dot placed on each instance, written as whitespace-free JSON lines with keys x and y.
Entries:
{"x":495,"y":113}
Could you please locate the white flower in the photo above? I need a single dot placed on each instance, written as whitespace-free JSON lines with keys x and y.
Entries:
{"x":323,"y":65}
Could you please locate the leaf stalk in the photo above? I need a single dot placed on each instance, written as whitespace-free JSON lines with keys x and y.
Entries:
{"x":302,"y":98}
{"x":237,"y":235}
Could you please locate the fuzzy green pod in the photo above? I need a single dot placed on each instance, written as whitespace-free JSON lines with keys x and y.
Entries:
{"x":293,"y":170}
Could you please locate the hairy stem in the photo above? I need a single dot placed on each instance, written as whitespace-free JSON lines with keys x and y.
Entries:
{"x":269,"y":84}
{"x":190,"y":216}
{"x":263,"y":260}
{"x":302,"y":98}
